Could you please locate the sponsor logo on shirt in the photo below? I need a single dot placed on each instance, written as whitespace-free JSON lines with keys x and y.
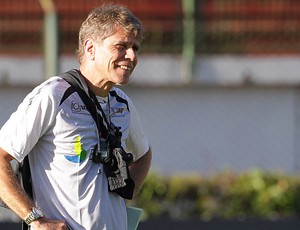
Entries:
{"x":78,"y":108}
{"x":80,"y":152}
{"x":117,"y":111}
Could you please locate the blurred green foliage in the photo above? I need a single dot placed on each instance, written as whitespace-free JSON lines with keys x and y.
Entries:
{"x":226,"y":195}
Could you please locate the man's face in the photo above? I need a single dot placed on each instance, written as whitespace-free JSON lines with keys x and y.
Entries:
{"x":116,"y":57}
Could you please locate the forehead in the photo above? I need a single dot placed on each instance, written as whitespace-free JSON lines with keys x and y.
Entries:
{"x":120,"y":35}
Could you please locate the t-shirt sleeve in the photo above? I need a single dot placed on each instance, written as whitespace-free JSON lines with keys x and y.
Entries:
{"x":137,"y":143}
{"x":28,"y":123}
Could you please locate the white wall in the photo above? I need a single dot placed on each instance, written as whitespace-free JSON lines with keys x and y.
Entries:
{"x":208,"y":127}
{"x":167,"y":70}
{"x":208,"y":130}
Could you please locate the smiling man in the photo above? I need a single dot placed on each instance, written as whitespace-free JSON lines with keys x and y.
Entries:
{"x":79,"y":156}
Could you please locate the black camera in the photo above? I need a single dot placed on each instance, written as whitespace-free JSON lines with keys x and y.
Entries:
{"x":101,"y":154}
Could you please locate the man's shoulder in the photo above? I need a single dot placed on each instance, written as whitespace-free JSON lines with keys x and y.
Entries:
{"x":51,"y":89}
{"x":120,"y":96}
{"x":117,"y":92}
{"x":53,"y":86}
{"x":52,"y":83}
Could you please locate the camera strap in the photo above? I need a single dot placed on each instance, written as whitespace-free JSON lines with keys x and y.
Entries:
{"x":117,"y":171}
{"x":96,"y":111}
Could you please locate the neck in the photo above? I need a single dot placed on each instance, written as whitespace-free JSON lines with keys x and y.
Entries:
{"x":98,"y":91}
{"x":98,"y":86}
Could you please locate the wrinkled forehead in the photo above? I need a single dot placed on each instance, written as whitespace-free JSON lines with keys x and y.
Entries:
{"x":122,"y":36}
{"x":125,"y":34}
{"x":131,"y":30}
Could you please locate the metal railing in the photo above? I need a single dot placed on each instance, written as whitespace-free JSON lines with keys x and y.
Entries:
{"x":221,"y":26}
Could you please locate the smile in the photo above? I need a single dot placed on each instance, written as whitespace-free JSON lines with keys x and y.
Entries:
{"x":126,"y":67}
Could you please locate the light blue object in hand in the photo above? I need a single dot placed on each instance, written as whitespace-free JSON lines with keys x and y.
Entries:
{"x":133,"y":217}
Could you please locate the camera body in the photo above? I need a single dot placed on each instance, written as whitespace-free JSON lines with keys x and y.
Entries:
{"x":104,"y":152}
{"x":101,"y":154}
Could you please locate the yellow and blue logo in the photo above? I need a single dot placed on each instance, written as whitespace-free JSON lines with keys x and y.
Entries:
{"x":80,"y":152}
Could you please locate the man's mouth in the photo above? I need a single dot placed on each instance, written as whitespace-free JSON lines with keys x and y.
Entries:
{"x":126,"y":67}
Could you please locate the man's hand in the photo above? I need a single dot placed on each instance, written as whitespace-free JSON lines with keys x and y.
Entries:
{"x":44,"y":223}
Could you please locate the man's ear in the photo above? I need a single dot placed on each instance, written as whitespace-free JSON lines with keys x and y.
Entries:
{"x":89,"y":47}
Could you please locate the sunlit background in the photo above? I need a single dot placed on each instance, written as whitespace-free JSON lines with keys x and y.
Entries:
{"x":216,"y":86}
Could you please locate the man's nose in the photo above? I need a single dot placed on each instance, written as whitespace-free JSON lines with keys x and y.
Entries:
{"x":130,"y":54}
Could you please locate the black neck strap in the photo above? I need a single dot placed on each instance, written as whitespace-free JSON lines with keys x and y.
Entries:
{"x":91,"y":102}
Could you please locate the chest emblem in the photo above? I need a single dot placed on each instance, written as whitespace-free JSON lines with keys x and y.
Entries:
{"x":80,"y":152}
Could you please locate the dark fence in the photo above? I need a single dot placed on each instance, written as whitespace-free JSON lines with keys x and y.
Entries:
{"x":221,"y":26}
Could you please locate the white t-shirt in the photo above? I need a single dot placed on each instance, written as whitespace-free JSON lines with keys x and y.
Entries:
{"x":58,"y":133}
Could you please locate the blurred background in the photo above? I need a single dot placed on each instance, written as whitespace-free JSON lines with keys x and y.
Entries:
{"x":216,"y":86}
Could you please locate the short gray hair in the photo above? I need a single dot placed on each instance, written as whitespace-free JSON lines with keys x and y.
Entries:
{"x":103,"y":21}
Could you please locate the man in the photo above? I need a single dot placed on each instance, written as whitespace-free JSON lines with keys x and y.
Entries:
{"x":59,"y":135}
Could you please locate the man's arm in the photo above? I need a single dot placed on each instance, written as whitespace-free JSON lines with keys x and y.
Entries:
{"x":139,"y":170}
{"x":11,"y":191}
{"x":15,"y":197}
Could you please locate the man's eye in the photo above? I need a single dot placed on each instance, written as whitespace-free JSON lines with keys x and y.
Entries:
{"x":136,"y":48}
{"x":120,"y":46}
